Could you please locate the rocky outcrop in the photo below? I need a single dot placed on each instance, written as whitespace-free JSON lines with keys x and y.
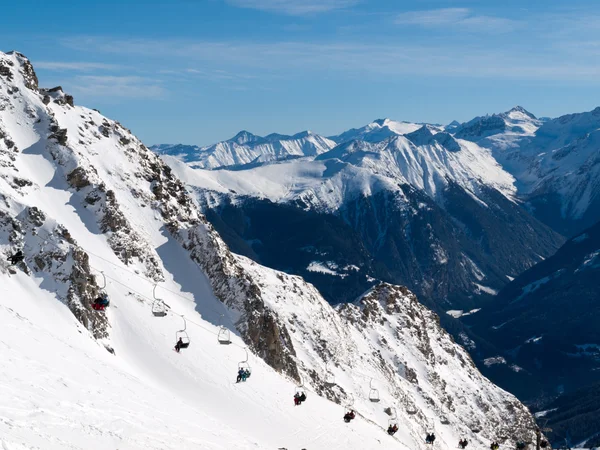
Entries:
{"x":389,"y":342}
{"x":52,"y":254}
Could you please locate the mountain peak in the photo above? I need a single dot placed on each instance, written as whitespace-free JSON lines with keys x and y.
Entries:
{"x":520,"y":110}
{"x":303,"y":134}
{"x":244,"y":137}
{"x":381,"y":122}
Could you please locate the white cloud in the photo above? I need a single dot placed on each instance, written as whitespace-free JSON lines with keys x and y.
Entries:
{"x":457,"y":18}
{"x":220,"y":59}
{"x":73,"y":66}
{"x":294,"y":7}
{"x":433,"y":17}
{"x":117,"y":86}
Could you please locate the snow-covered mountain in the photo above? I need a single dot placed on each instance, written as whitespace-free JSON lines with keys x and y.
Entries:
{"x":377,"y":131}
{"x":556,"y":162}
{"x":94,"y":210}
{"x":423,"y":209}
{"x":247,"y":148}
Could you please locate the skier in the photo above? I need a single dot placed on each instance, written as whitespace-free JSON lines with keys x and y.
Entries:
{"x":349,"y":416}
{"x":16,"y":258}
{"x":463,"y":443}
{"x":247,"y":374}
{"x":178,"y":345}
{"x":494,"y":446}
{"x":297,"y":400}
{"x":302,"y":397}
{"x":392,"y":429}
{"x":430,"y":439}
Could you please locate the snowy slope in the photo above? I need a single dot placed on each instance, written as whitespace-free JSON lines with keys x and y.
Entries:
{"x":377,"y":131}
{"x":82,"y":197}
{"x":247,"y":148}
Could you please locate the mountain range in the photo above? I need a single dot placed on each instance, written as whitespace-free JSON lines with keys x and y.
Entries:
{"x":493,"y":223}
{"x":93,"y":211}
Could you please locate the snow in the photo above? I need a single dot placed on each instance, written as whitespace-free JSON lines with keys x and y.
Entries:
{"x":458,"y":313}
{"x":485,"y":289}
{"x":591,"y":261}
{"x":557,"y":157}
{"x":494,"y":361}
{"x":246,"y":148}
{"x":354,"y":170}
{"x":532,"y":287}
{"x":377,"y":131}
{"x":325,"y":268}
{"x":63,"y":390}
{"x":534,"y":339}
{"x":581,"y":238}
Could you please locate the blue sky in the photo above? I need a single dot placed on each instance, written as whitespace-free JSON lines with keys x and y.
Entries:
{"x":199,"y":71}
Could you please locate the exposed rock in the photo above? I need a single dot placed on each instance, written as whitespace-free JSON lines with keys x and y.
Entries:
{"x":59,"y":134}
{"x":5,"y":70}
{"x":78,"y":178}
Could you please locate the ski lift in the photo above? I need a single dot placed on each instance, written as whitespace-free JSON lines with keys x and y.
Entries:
{"x":373,"y":393}
{"x":300,"y":392}
{"x":244,"y":364}
{"x":102,"y":301}
{"x":393,"y":420}
{"x":224,"y":335}
{"x":182,"y":334}
{"x":159,"y":308}
{"x":103,"y":282}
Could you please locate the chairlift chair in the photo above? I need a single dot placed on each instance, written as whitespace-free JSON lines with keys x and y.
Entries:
{"x":244,"y":364}
{"x":103,"y":282}
{"x":393,"y":420}
{"x":182,"y":334}
{"x":159,"y":309}
{"x":105,"y":301}
{"x":444,"y":420}
{"x":224,"y":335}
{"x":299,"y":389}
{"x":373,"y":393}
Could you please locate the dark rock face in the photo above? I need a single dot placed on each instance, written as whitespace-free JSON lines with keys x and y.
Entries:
{"x":5,"y":70}
{"x":31,"y":79}
{"x":439,"y":253}
{"x":480,"y":127}
{"x":59,"y":134}
{"x":575,"y":417}
{"x":547,"y":318}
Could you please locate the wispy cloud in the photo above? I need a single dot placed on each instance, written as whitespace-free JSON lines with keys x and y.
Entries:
{"x":74,"y":66}
{"x":433,"y":17}
{"x":461,"y":18}
{"x":294,"y":7}
{"x":222,"y":59}
{"x":117,"y":86}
